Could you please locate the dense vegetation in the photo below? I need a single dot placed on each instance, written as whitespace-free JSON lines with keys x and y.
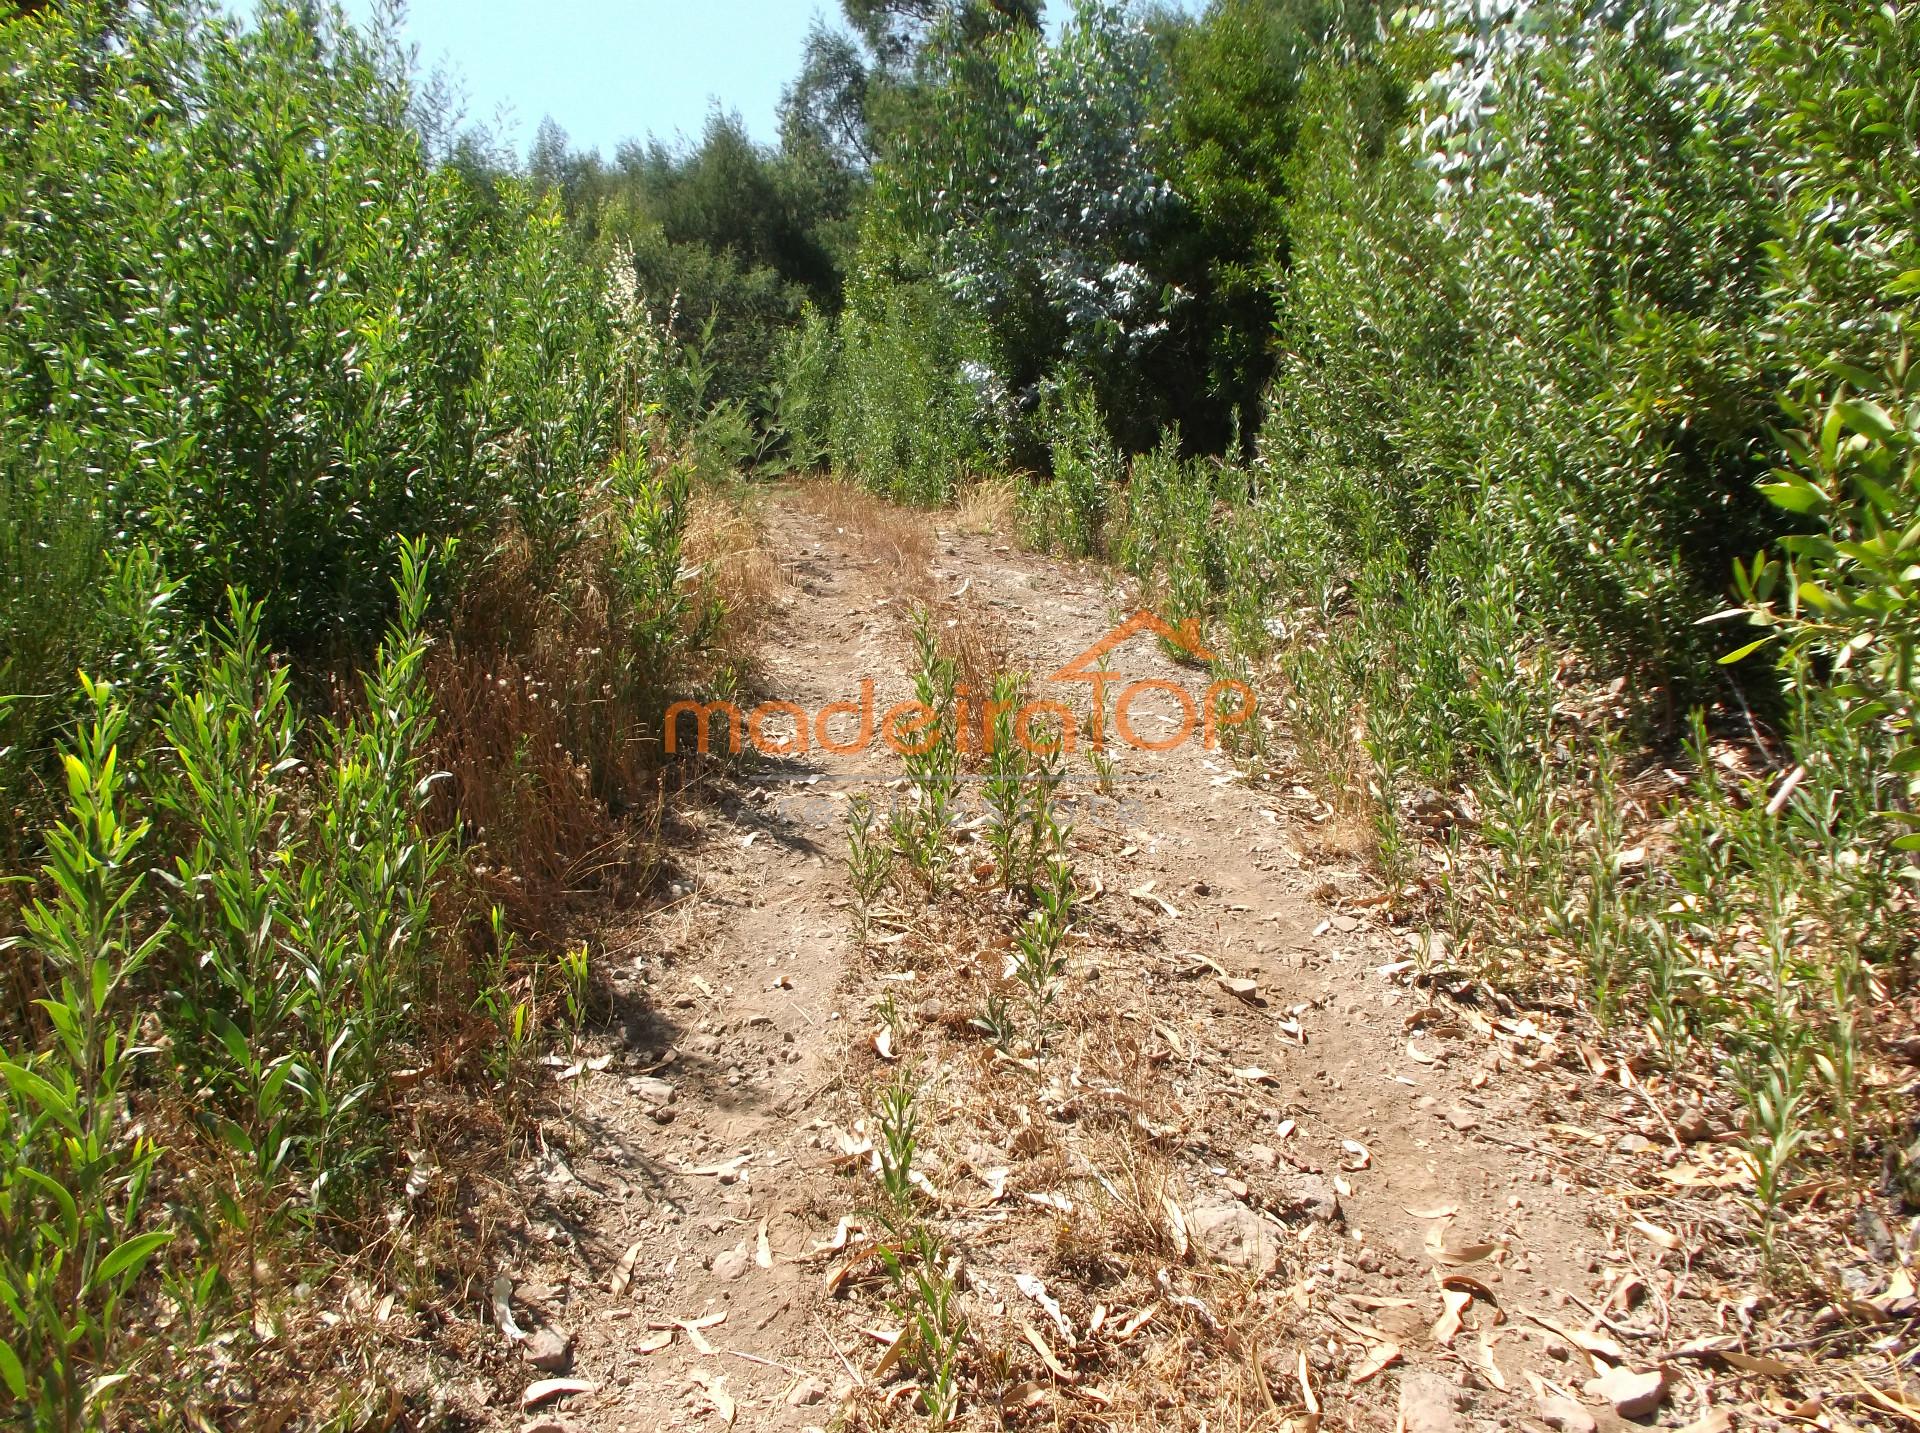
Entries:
{"x":355,"y":488}
{"x":1487,"y":373}
{"x":1525,"y":388}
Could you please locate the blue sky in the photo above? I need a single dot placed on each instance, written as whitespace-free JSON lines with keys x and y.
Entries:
{"x":610,"y":70}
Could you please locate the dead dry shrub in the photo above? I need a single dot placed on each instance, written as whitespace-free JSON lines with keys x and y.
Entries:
{"x":548,"y":714}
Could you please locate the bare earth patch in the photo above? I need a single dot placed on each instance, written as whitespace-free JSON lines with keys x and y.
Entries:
{"x":1253,"y":1172}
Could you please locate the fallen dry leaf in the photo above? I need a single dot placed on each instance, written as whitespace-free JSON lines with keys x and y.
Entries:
{"x":762,"y":1250}
{"x":1456,"y":1279}
{"x":623,"y":1272}
{"x":1176,"y":1226}
{"x":503,"y":1310}
{"x":1600,"y":1350}
{"x":548,"y":1389}
{"x":1447,"y":1327}
{"x":717,"y":1395}
{"x":1034,"y":1289}
{"x":1145,"y":895}
{"x":654,"y":1341}
{"x":1488,"y":1365}
{"x":1752,"y":1363}
{"x":1030,"y":1394}
{"x":1054,"y":1366}
{"x":1379,"y":1358}
{"x":693,"y":1328}
{"x":1665,"y":1238}
{"x":1443,"y":1250}
{"x":1362,"y":1156}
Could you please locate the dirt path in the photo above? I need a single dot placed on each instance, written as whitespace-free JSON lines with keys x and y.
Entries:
{"x":1286,"y":1181}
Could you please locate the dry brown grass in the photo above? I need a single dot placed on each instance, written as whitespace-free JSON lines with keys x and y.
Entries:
{"x":898,"y":540}
{"x":1096,"y":1123}
{"x":985,"y":507}
{"x":726,"y":545}
{"x":549,"y":710}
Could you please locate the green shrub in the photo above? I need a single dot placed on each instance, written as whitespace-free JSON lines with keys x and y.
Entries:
{"x":913,"y":401}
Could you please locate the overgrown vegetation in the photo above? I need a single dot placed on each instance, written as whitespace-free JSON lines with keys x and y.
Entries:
{"x":351,"y":542}
{"x":1525,"y":396}
{"x":1542,"y":353}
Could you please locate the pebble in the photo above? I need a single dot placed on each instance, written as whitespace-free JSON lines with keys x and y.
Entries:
{"x":1234,"y":1235}
{"x":1567,"y":1416}
{"x":1693,"y":1125}
{"x":1633,"y":1395}
{"x":550,"y":1349}
{"x":806,"y":1393}
{"x":1427,"y":1404}
{"x":1310,"y":1196}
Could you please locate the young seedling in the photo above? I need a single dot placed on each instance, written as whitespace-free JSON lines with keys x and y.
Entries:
{"x":869,"y":860}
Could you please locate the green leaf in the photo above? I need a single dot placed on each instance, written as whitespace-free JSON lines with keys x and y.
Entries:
{"x":1865,"y":416}
{"x":11,"y":1371}
{"x":130,"y":1257}
{"x":1908,"y":843}
{"x":57,"y":1191}
{"x":36,"y":1088}
{"x":1795,"y":495}
{"x":1741,"y":653}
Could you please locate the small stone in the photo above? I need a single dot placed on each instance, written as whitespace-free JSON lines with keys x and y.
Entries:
{"x":1693,"y":1125}
{"x":1567,"y":1416}
{"x":547,"y":1425}
{"x":806,"y":1393}
{"x":1247,"y":990}
{"x":653,"y":1091}
{"x":1634,"y":1144}
{"x":1427,"y":1404}
{"x":662,"y":1116}
{"x":550,"y":1349}
{"x":1461,"y":1119}
{"x":1309,"y":1196}
{"x":1234,"y":1235}
{"x":1260,"y":1156}
{"x":731,"y":1265}
{"x":1633,"y":1395}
